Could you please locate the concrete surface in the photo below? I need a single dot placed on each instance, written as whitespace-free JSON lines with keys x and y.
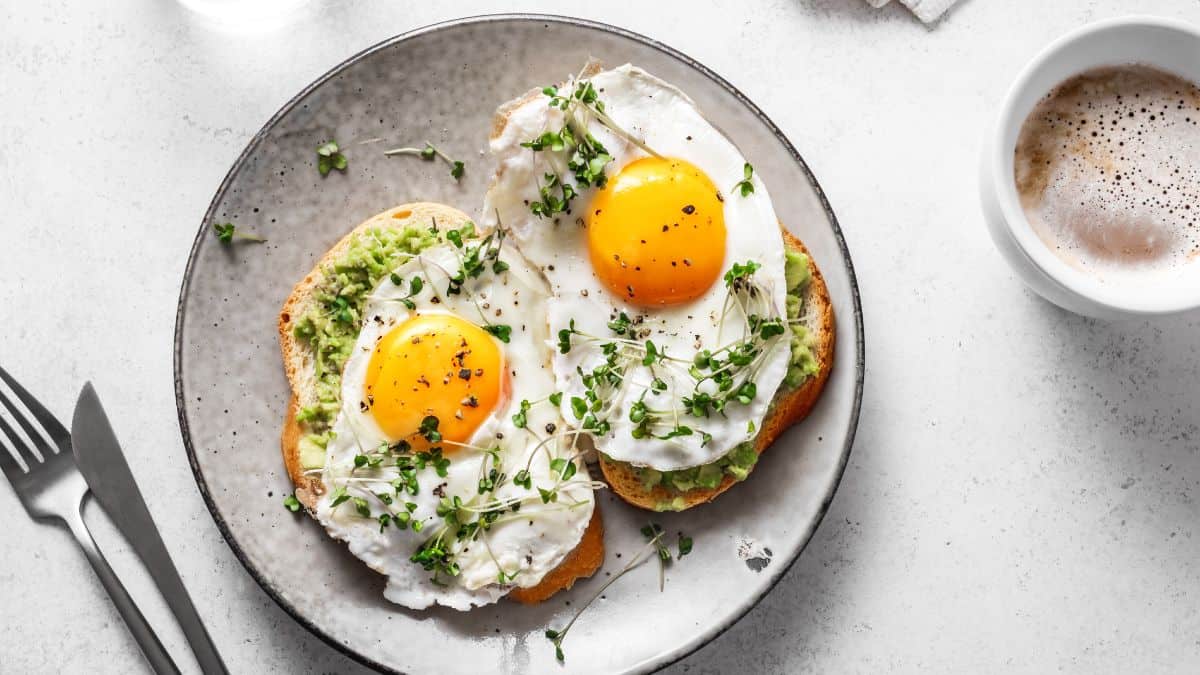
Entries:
{"x":1023,"y":495}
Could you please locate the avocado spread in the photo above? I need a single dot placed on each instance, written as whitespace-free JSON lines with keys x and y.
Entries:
{"x":330,"y":327}
{"x":739,"y":461}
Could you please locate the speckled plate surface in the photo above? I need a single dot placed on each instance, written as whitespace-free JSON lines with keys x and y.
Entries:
{"x":442,"y":83}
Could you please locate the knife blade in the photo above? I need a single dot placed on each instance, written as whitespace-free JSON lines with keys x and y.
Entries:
{"x":103,"y":466}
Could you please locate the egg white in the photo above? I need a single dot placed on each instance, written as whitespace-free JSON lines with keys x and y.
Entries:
{"x":543,"y":534}
{"x":670,"y":123}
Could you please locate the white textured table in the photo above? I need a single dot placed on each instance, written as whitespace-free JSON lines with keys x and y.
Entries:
{"x":1024,"y":494}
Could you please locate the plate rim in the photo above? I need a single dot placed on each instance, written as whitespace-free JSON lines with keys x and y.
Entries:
{"x":650,"y":664}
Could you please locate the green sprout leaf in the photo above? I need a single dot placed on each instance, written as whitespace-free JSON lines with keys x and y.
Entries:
{"x":330,"y":157}
{"x":429,"y":153}
{"x":746,"y":185}
{"x":502,"y":332}
{"x":338,"y":497}
{"x":564,"y":338}
{"x":429,"y":429}
{"x":520,"y":419}
{"x":226,"y":233}
{"x":676,"y":432}
{"x":579,"y":407}
{"x":652,"y":354}
{"x":620,"y":325}
{"x":565,"y":468}
{"x":685,"y":545}
{"x":746,"y":393}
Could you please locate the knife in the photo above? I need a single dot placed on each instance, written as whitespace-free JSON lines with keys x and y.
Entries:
{"x":103,"y":465}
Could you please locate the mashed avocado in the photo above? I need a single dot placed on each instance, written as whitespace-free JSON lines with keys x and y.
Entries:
{"x":331,"y":326}
{"x":803,"y":365}
{"x":736,"y":463}
{"x":740,"y":461}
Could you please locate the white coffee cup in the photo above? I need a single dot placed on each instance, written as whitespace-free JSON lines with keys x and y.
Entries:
{"x":1173,"y":46}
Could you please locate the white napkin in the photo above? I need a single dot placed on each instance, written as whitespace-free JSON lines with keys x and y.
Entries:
{"x":926,"y":10}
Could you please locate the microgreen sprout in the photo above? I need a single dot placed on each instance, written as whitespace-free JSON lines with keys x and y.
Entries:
{"x":620,"y":325}
{"x":429,"y":429}
{"x":685,"y":545}
{"x":501,"y":331}
{"x":585,"y":157}
{"x":338,"y":497}
{"x":415,"y":284}
{"x":550,"y":202}
{"x":521,"y":419}
{"x":429,"y":153}
{"x":652,"y":354}
{"x":226,"y":233}
{"x":746,"y":185}
{"x":563,"y":467}
{"x":584,"y":95}
{"x":475,"y":258}
{"x":564,"y":338}
{"x":291,"y":503}
{"x":654,"y":532}
{"x":329,"y":157}
{"x":655,"y":535}
{"x":738,"y":274}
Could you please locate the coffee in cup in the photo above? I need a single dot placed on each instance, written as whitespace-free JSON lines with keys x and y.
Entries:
{"x":1107,"y":170}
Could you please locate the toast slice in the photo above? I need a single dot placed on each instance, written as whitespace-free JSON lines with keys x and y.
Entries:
{"x":299,"y":362}
{"x":789,"y":406}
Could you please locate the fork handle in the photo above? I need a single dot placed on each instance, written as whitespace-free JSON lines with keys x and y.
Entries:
{"x":155,"y":653}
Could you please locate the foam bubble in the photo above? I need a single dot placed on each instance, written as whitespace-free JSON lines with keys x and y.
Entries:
{"x":1107,"y":167}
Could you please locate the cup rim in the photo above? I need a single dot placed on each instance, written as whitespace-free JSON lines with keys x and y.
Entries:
{"x":1110,"y":297}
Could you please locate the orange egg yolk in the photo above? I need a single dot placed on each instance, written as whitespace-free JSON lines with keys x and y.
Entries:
{"x":434,"y":364}
{"x":656,"y":232}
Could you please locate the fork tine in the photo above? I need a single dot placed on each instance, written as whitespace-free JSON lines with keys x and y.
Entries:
{"x":52,"y":426}
{"x":7,"y":463}
{"x":31,"y":433}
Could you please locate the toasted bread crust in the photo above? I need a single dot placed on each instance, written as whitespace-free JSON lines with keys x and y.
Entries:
{"x":790,"y":408}
{"x":308,"y":488}
{"x":581,"y":562}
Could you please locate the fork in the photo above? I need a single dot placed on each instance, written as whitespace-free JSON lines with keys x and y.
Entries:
{"x":51,"y":488}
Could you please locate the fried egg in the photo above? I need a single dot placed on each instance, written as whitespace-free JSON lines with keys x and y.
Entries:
{"x":442,"y":507}
{"x":644,"y":258}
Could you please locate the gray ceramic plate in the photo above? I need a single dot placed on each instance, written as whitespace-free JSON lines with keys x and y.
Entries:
{"x":441,"y":83}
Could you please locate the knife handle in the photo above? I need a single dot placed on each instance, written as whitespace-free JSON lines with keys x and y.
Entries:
{"x":146,"y":638}
{"x":116,"y":491}
{"x":158,"y":562}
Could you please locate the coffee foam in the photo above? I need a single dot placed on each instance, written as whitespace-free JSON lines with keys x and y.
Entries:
{"x":1107,"y":168}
